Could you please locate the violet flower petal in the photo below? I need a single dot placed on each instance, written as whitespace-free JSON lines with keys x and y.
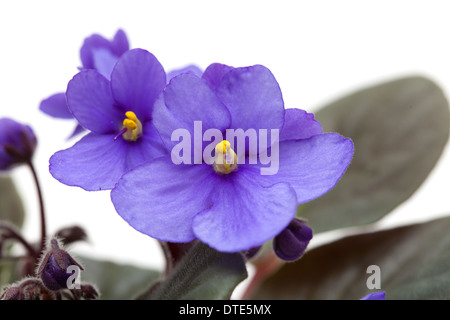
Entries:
{"x":380,"y":295}
{"x":104,"y":61}
{"x":56,"y":106}
{"x":146,"y":148}
{"x":96,"y":162}
{"x":117,"y":46}
{"x":160,"y":198}
{"x":214,"y":73}
{"x":185,"y":100}
{"x":298,"y":124}
{"x":311,"y":166}
{"x":90,"y":101}
{"x":192,"y":69}
{"x":136,"y":81}
{"x":253,"y":97}
{"x":120,"y":44}
{"x":244,"y":214}
{"x":78,"y":129}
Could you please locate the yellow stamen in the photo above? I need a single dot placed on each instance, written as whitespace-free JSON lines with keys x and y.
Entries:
{"x":226,"y":159}
{"x":133,"y":126}
{"x":130,"y":115}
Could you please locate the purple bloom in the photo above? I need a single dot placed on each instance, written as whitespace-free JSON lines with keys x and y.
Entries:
{"x":97,"y":53}
{"x":229,"y":207}
{"x":118,"y":112}
{"x":17,"y":143}
{"x":380,"y":295}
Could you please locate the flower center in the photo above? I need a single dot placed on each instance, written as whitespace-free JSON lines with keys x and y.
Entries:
{"x":225,"y":160}
{"x":132,"y":127}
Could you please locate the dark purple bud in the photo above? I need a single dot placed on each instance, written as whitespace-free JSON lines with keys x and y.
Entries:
{"x":12,"y":293}
{"x":71,"y":234}
{"x":291,"y":243}
{"x":17,"y":143}
{"x":53,"y":268}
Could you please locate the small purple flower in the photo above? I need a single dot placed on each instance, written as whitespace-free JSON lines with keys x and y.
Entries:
{"x":17,"y":143}
{"x":97,"y":53}
{"x":229,"y":207}
{"x":118,"y":112}
{"x":379,"y":295}
{"x":292,"y":242}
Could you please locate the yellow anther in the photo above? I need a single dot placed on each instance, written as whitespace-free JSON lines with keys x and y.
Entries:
{"x":226,"y":159}
{"x":222,"y":147}
{"x":129,"y":124}
{"x":133,"y":127}
{"x":130,"y":115}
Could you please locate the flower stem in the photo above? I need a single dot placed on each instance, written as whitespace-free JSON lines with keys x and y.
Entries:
{"x":41,"y":206}
{"x":11,"y":233}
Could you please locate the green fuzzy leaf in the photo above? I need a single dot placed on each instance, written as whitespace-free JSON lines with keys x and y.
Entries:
{"x":413,"y":261}
{"x":116,"y":281}
{"x":399,"y":130}
{"x":202,"y":274}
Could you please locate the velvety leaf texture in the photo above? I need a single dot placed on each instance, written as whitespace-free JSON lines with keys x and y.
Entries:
{"x":117,"y":281}
{"x":203,"y":274}
{"x":413,"y":261}
{"x":399,"y":130}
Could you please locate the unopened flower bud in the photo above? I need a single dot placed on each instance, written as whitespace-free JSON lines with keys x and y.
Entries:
{"x":89,"y":292}
{"x":53,"y":268}
{"x":17,"y":143}
{"x":291,"y":243}
{"x":71,"y":234}
{"x":27,"y":289}
{"x":12,"y":293}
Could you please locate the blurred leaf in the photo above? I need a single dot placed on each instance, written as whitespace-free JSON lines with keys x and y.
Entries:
{"x":11,"y":211}
{"x":117,"y":281}
{"x":11,"y":207}
{"x":399,"y":129}
{"x":202,"y":274}
{"x":414,"y":263}
{"x":7,"y":272}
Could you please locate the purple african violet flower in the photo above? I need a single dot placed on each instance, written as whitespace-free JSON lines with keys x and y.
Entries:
{"x":119,"y":115}
{"x":230,"y":208}
{"x":380,"y":295}
{"x":17,"y":143}
{"x":97,"y":53}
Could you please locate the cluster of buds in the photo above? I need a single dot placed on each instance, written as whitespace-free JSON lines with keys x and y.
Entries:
{"x":56,"y":278}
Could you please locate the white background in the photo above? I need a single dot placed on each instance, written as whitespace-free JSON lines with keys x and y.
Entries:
{"x":317,"y":50}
